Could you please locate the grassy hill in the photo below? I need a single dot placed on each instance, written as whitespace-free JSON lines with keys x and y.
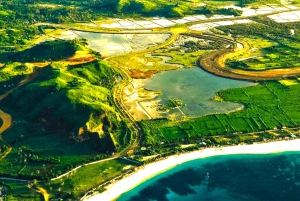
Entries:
{"x":63,"y":117}
{"x":46,"y":51}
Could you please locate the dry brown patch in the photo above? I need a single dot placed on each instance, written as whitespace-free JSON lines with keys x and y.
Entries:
{"x":80,"y":57}
{"x":136,"y":74}
{"x":2,"y":64}
{"x":41,"y":64}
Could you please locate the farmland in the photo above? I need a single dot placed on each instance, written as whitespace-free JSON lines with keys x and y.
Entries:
{"x":88,"y":177}
{"x":79,"y":100}
{"x":272,"y":45}
{"x":266,"y":107}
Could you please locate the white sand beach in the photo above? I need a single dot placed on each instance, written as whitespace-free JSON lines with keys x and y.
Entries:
{"x":115,"y":190}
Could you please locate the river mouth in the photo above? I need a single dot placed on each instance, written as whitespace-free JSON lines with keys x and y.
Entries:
{"x":194,"y":88}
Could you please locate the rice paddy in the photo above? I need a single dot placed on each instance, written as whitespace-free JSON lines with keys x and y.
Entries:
{"x":292,"y":16}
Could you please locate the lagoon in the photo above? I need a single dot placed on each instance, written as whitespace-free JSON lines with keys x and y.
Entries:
{"x":195,"y":88}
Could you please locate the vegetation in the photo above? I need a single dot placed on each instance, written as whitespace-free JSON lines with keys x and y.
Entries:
{"x":64,"y":115}
{"x":46,"y":51}
{"x":279,"y":47}
{"x":209,"y":10}
{"x":265,"y":107}
{"x":186,"y":59}
{"x":46,"y":142}
{"x":186,"y":50}
{"x":70,"y":187}
{"x":19,"y":190}
{"x":171,"y":104}
{"x":88,"y":177}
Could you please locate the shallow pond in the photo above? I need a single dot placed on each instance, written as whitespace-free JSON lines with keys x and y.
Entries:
{"x":195,"y":88}
{"x":115,"y":44}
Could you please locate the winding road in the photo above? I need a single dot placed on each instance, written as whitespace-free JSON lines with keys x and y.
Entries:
{"x":118,"y":92}
{"x":215,"y":63}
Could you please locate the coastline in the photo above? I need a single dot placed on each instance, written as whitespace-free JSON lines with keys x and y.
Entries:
{"x":150,"y":170}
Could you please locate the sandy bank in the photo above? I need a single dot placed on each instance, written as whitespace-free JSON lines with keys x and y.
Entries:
{"x":115,"y":190}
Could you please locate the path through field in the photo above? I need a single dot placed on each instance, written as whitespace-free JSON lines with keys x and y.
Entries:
{"x":44,"y":193}
{"x":6,"y":119}
{"x":6,"y":123}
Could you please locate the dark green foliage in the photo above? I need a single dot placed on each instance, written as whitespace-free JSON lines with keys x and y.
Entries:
{"x":49,"y":113}
{"x":133,"y":7}
{"x":208,"y":10}
{"x":247,"y":2}
{"x":193,"y":46}
{"x":46,"y":51}
{"x":173,"y":133}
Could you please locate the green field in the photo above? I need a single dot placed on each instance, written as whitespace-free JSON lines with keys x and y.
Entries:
{"x":46,"y":51}
{"x":87,"y":177}
{"x":266,"y":107}
{"x":69,"y":187}
{"x":271,"y":45}
{"x":19,"y":190}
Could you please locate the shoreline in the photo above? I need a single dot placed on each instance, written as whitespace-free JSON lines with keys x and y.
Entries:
{"x":150,"y":170}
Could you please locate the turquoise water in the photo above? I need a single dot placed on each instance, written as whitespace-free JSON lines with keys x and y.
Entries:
{"x":265,"y":177}
{"x":196,"y":89}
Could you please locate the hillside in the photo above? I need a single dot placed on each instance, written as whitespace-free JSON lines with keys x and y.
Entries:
{"x":46,"y":51}
{"x":63,"y":116}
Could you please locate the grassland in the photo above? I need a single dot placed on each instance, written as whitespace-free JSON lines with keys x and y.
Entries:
{"x":143,"y":63}
{"x":78,"y":92}
{"x":19,"y":190}
{"x":272,"y":45}
{"x":46,"y":51}
{"x":86,"y":178}
{"x":186,"y":59}
{"x":64,"y":115}
{"x":71,"y":187}
{"x":266,"y":107}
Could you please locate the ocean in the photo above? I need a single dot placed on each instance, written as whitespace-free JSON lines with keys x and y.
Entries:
{"x":242,"y":177}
